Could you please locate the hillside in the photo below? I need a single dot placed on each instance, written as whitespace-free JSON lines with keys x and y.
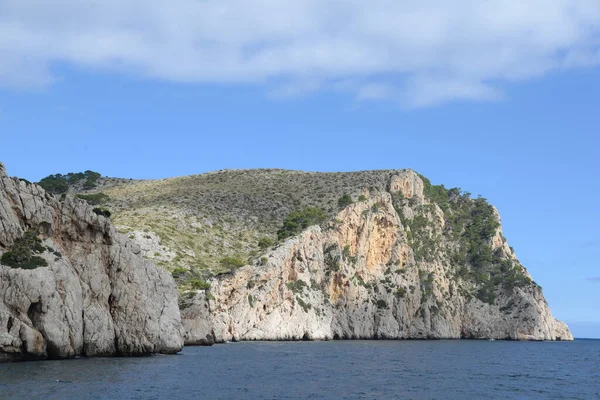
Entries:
{"x":202,"y":219}
{"x":390,"y":255}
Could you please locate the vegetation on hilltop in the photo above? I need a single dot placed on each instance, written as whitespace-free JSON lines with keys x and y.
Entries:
{"x":59,"y":184}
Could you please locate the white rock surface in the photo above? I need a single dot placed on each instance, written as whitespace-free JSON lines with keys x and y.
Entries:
{"x":150,"y":245}
{"x":99,"y":297}
{"x":377,"y":290}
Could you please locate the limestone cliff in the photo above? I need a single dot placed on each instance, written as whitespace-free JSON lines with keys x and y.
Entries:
{"x":411,"y":261}
{"x":95,"y":296}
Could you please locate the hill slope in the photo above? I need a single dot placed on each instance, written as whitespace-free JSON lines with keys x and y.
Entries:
{"x":394,"y":257}
{"x":201,"y":219}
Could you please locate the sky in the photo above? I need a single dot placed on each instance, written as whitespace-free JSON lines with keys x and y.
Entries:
{"x":500,"y":99}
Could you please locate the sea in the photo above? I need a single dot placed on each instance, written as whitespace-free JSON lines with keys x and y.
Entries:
{"x":378,"y":369}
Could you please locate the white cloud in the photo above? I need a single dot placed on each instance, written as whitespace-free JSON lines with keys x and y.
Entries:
{"x":416,"y":53}
{"x":374,"y":91}
{"x":425,"y":91}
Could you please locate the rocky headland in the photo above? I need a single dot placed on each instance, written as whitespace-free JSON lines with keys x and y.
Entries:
{"x":71,"y":285}
{"x":254,"y":255}
{"x":394,"y":265}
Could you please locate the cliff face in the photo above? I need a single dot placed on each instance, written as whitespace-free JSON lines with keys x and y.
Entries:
{"x":96,"y":297}
{"x":395,"y":265}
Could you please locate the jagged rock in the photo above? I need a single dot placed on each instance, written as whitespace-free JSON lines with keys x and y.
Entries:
{"x":96,"y":297}
{"x":359,"y":278}
{"x":408,"y":183}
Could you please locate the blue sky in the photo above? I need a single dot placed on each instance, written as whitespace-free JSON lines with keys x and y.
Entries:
{"x":501,"y":102}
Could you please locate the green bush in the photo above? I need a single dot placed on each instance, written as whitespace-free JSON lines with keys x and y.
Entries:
{"x":231,"y":262}
{"x":94,"y":199}
{"x":91,"y":179}
{"x":102,"y":211}
{"x":401,"y":292}
{"x":305,"y":306}
{"x":344,"y":201}
{"x":265,"y":242}
{"x":382,"y":304}
{"x":23,"y":252}
{"x":297,"y":221}
{"x":178,"y":272}
{"x":55,"y":184}
{"x":59,"y":184}
{"x":199,"y":284}
{"x":296,"y":286}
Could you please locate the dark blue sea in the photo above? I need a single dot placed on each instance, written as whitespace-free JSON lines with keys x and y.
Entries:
{"x":323,"y":370}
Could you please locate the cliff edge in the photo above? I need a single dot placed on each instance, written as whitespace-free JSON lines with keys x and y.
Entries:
{"x":71,"y":285}
{"x":412,"y":261}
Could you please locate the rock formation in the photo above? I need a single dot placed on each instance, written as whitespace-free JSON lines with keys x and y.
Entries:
{"x":395,"y":265}
{"x":405,"y":260}
{"x":96,"y":297}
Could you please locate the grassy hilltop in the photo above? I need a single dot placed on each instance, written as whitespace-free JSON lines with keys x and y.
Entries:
{"x":226,"y":214}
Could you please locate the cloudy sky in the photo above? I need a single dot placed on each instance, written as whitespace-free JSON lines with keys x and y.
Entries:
{"x":497,"y":97}
{"x":413,"y":53}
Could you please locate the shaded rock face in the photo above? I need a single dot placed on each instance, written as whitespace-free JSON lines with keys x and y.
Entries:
{"x":360,"y":277}
{"x":96,"y":297}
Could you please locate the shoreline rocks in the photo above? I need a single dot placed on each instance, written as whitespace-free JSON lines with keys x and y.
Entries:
{"x":96,"y":297}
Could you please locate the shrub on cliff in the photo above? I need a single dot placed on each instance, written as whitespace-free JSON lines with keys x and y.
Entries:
{"x":296,"y":286}
{"x":265,"y":242}
{"x":23,"y":252}
{"x":199,"y":284}
{"x":344,"y":201}
{"x":231,"y":262}
{"x":472,"y":223}
{"x":297,"y":221}
{"x":94,"y":199}
{"x":102,"y":211}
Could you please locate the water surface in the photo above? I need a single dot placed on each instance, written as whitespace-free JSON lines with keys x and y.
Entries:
{"x":323,"y":370}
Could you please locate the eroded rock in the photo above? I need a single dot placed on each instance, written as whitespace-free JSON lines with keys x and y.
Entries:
{"x":359,"y":278}
{"x":96,"y":297}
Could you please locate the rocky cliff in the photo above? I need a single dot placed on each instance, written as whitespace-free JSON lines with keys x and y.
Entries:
{"x":71,"y":285}
{"x":409,"y":261}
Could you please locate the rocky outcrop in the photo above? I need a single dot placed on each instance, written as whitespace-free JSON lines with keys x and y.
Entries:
{"x":96,"y":297}
{"x":408,"y":183}
{"x":367,"y":275}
